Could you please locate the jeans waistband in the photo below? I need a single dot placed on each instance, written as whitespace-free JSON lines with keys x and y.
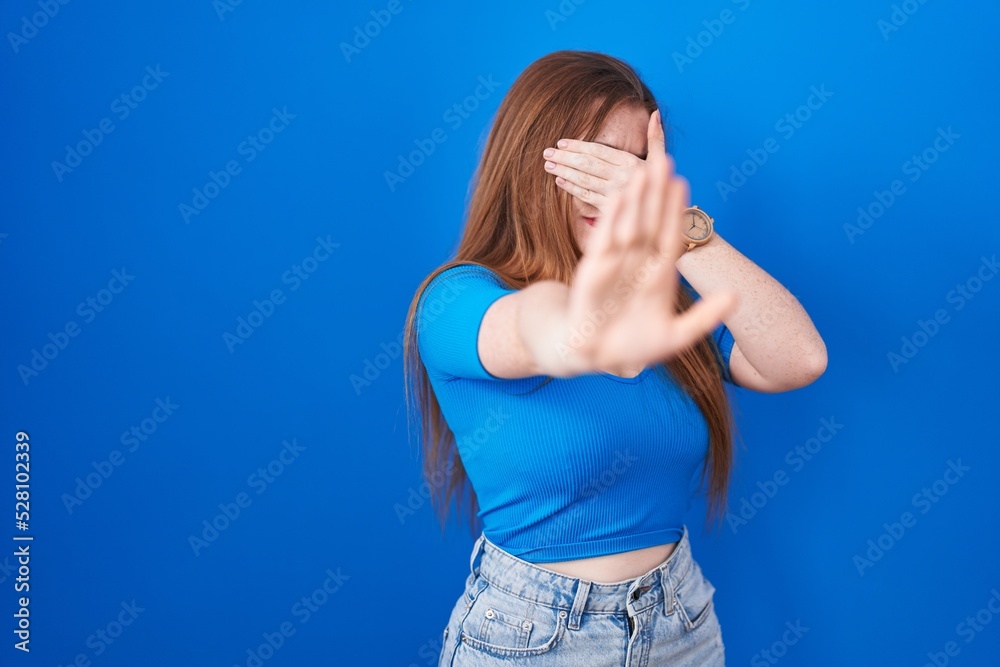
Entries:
{"x":576,"y":595}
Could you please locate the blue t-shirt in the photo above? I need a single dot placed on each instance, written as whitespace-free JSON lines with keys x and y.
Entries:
{"x":573,"y":468}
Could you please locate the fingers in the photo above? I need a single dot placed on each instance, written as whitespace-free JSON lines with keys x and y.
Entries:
{"x":585,"y":179}
{"x":663,"y":165}
{"x":627,"y":232}
{"x":701,"y":318}
{"x":655,"y":139}
{"x":665,"y":242}
{"x":669,"y":241}
{"x":579,"y":148}
{"x":602,"y":241}
{"x":570,"y":163}
{"x":588,"y":196}
{"x":654,"y":199}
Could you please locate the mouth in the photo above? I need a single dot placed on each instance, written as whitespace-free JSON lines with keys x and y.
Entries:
{"x":590,"y":221}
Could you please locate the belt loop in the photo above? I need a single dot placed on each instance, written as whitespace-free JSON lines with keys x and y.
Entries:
{"x":476,"y":549}
{"x":669,"y":599}
{"x":579,"y":603}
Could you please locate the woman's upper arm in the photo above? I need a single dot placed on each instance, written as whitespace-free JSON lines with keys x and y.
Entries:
{"x":736,"y":369}
{"x":467,"y":326}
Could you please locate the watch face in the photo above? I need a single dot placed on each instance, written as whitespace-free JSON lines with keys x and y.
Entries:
{"x":696,"y":224}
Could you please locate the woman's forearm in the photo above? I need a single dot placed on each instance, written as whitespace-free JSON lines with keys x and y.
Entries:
{"x":772,"y":329}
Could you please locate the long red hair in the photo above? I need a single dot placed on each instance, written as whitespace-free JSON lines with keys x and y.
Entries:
{"x":519,"y":225}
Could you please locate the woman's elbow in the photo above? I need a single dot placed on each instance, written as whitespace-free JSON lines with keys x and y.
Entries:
{"x":814,"y":365}
{"x":808,"y":370}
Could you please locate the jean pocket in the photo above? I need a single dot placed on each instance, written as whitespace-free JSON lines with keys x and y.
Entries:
{"x":504,"y":625}
{"x":695,"y":598}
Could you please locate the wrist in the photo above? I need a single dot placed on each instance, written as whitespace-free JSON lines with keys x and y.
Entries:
{"x":697,"y":253}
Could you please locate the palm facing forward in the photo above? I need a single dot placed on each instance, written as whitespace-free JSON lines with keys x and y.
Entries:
{"x":623,"y":293}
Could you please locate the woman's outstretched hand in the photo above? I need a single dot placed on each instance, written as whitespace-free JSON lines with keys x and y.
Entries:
{"x":620,"y":305}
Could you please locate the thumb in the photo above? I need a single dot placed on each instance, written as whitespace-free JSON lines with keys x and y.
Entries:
{"x":655,"y":139}
{"x":704,"y":316}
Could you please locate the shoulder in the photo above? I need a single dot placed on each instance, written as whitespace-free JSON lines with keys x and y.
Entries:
{"x":468,"y":273}
{"x":461,"y":278}
{"x":460,"y":293}
{"x":448,"y":318}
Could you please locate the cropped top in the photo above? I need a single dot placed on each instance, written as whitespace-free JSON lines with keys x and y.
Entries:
{"x":571,"y":468}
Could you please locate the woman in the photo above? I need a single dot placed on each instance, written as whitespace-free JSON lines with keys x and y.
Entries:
{"x":560,"y":367}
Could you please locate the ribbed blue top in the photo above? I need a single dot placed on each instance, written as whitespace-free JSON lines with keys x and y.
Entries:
{"x":573,"y":468}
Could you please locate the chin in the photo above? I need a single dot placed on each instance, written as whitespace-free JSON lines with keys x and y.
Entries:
{"x":583,"y":232}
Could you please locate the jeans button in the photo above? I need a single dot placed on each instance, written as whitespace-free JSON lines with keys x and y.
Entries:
{"x":639,"y":591}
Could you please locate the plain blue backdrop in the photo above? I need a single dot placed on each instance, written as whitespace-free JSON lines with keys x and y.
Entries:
{"x":200,"y":249}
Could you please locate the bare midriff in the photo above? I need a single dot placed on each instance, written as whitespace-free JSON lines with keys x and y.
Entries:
{"x":613,"y":568}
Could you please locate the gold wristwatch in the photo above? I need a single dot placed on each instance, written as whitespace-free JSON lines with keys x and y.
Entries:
{"x":698,"y":227}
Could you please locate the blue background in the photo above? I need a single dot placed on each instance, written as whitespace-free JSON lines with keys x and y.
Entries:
{"x":331,"y":507}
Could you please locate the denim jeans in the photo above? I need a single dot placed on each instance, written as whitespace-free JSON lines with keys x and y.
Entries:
{"x":516,"y":612}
